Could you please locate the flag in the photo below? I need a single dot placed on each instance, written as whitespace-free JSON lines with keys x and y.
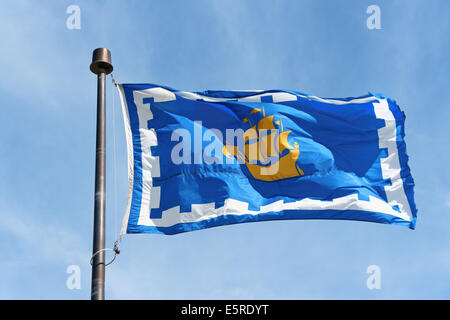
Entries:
{"x":203,"y":159}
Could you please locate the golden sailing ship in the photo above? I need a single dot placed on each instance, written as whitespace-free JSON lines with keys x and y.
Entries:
{"x":267,"y":152}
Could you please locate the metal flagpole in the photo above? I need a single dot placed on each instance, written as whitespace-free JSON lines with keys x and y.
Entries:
{"x":101,"y":66}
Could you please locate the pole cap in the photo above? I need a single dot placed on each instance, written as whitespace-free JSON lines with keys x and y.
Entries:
{"x":101,"y":61}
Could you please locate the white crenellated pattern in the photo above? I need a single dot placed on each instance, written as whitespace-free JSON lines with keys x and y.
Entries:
{"x":390,"y":166}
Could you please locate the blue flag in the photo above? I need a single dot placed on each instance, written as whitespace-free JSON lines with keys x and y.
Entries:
{"x":202,"y":159}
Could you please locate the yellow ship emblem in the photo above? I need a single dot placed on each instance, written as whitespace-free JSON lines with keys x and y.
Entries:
{"x":266,"y":151}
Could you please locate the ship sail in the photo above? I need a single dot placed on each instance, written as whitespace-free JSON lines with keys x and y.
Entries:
{"x":266,"y":123}
{"x":267,"y":145}
{"x":282,"y":141}
{"x":263,"y":150}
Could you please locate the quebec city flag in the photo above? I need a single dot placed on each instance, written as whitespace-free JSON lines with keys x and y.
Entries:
{"x":203,"y":159}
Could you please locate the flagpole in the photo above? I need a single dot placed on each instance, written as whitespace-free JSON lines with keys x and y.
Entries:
{"x":101,"y":66}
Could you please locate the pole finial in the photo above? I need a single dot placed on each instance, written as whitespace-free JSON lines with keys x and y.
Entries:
{"x":101,"y":61}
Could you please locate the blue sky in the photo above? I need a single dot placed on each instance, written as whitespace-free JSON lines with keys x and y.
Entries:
{"x":47,"y":154}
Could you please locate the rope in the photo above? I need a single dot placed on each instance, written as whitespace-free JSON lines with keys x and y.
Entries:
{"x":115,"y":249}
{"x":116,"y":252}
{"x":113,"y":80}
{"x":114,"y":158}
